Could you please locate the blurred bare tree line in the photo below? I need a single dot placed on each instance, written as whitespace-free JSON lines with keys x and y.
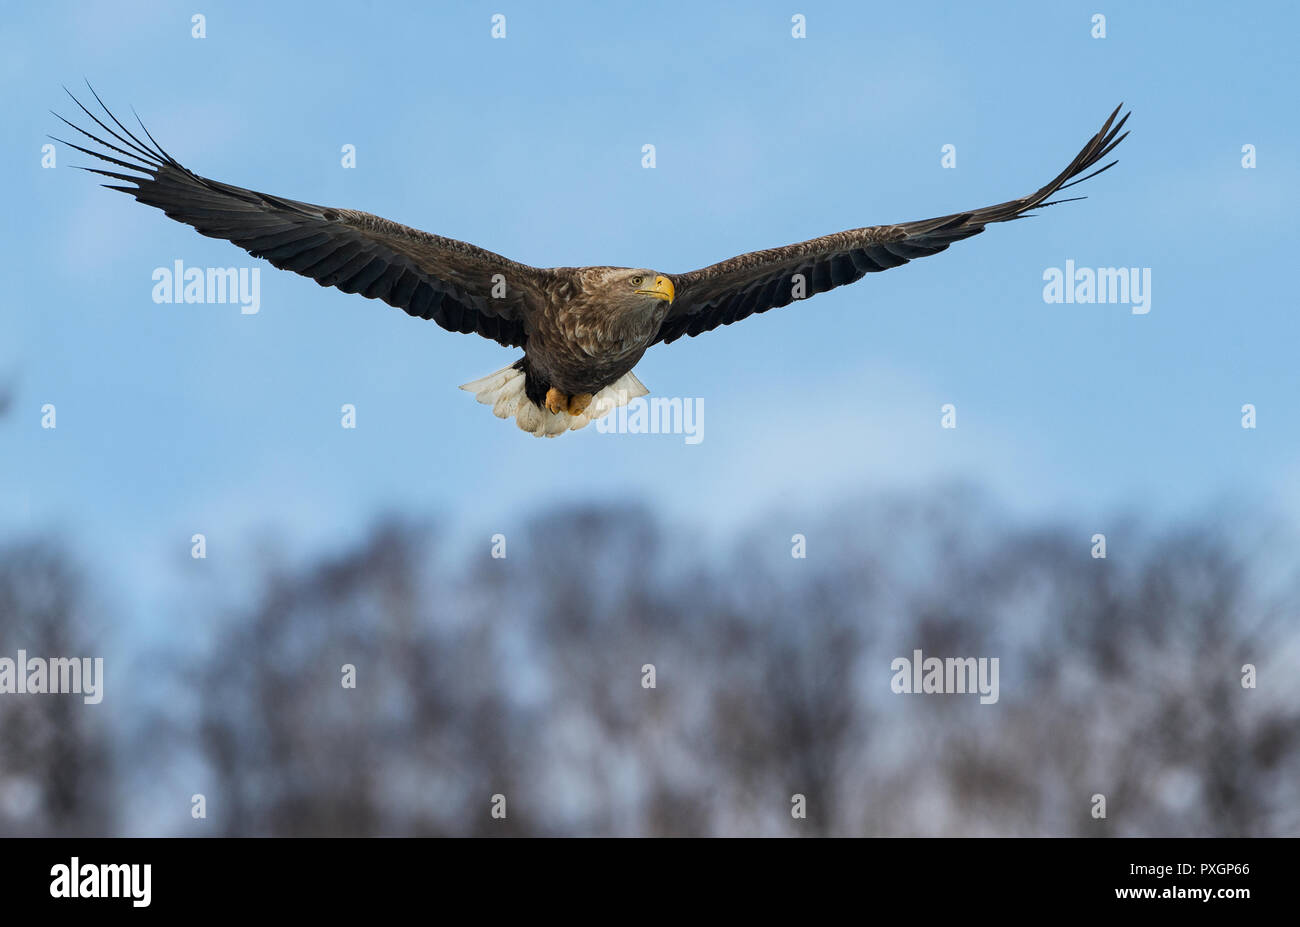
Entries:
{"x":56,"y":777}
{"x":526,"y":677}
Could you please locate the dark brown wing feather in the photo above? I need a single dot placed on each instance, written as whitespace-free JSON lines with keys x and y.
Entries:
{"x":761,"y":280}
{"x":430,"y":277}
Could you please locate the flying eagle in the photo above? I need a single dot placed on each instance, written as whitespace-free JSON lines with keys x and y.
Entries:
{"x":582,"y":329}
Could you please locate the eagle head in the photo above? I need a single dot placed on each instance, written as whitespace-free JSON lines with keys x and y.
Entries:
{"x":638,"y":289}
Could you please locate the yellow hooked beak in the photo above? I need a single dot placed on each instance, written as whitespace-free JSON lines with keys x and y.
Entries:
{"x":662,"y":289}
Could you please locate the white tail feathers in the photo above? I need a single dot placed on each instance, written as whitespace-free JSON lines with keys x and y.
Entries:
{"x":504,"y":392}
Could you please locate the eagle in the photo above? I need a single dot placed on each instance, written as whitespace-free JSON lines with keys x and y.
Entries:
{"x":582,"y":329}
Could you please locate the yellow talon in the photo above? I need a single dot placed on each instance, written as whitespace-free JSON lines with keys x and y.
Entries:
{"x":556,"y":401}
{"x":578,"y":404}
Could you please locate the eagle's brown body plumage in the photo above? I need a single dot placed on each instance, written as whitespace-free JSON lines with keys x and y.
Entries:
{"x":582,"y":329}
{"x":576,"y":340}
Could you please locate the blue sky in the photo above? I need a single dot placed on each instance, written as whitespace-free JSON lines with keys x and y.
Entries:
{"x":179,"y":419}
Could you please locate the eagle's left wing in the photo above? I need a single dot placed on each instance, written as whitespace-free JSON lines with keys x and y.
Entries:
{"x":428,"y":276}
{"x":761,"y":280}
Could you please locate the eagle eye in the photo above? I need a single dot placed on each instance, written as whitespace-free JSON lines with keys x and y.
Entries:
{"x":636,"y":281}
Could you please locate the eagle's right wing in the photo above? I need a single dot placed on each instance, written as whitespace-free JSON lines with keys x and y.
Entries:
{"x":741,"y":286}
{"x":448,"y":281}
